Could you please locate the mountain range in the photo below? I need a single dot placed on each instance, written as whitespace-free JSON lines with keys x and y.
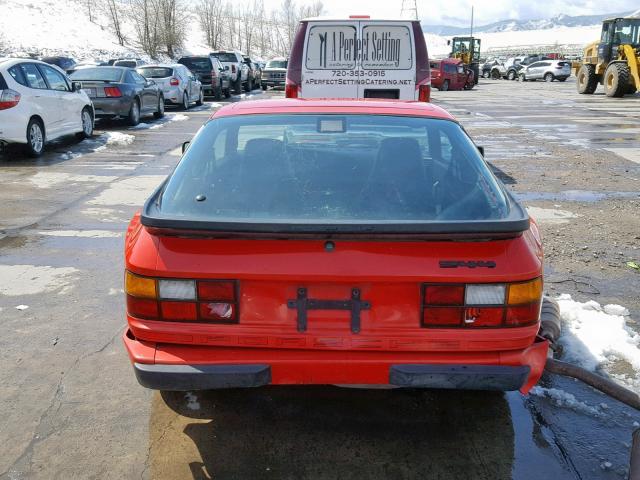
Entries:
{"x":520,"y":25}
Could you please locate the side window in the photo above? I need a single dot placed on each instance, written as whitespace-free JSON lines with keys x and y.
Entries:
{"x":535,"y":65}
{"x":137,"y":78}
{"x":17,"y":75}
{"x":605,"y":33}
{"x":54,"y":78}
{"x":33,"y":76}
{"x":129,"y":78}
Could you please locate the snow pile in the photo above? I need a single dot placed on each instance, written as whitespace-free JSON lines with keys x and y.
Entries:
{"x":118,"y":138}
{"x":597,"y":337}
{"x":561,"y":398}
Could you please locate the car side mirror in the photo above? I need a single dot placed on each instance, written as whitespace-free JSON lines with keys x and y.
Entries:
{"x":185,"y":146}
{"x":76,"y":86}
{"x":481,"y":150}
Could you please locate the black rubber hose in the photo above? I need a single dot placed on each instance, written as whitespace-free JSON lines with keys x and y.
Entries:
{"x":605,"y":385}
{"x":634,"y":466}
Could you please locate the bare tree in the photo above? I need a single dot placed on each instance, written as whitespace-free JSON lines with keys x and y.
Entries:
{"x":210,"y":17}
{"x":146,"y":22}
{"x":172,"y":18}
{"x":113,"y":9}
{"x":89,"y":6}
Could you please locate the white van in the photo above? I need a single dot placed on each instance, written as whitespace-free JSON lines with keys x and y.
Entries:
{"x":359,"y":58}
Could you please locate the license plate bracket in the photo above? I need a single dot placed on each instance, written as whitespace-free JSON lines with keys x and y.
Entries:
{"x":303,"y":304}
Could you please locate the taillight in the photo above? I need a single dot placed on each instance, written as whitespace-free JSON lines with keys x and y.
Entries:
{"x":291,"y":90}
{"x":482,"y":305}
{"x":233,"y":69}
{"x":178,"y":300}
{"x":174,"y":82}
{"x":214,"y":74}
{"x":112,"y":92}
{"x":8,"y":99}
{"x":424,"y":93}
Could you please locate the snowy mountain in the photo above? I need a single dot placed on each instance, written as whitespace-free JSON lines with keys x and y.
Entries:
{"x":558,"y":21}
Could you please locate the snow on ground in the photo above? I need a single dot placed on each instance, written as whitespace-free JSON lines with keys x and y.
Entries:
{"x":564,"y":399}
{"x":599,"y":337}
{"x":169,"y":117}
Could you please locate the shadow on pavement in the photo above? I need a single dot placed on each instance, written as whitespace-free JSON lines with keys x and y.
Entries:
{"x":330,"y":432}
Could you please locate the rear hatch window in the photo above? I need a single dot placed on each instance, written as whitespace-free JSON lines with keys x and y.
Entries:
{"x":202,"y":63}
{"x":155,"y":72}
{"x":342,"y":172}
{"x":277,"y":64}
{"x":226,"y":57}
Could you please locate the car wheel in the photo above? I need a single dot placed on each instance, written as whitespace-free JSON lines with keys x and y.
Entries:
{"x":495,"y":74}
{"x":87,"y":124}
{"x":185,"y":101}
{"x":160,"y":112}
{"x":249,"y":85}
{"x":264,"y":87}
{"x":238,"y":85}
{"x":511,"y":75}
{"x":445,"y":85}
{"x":35,"y":138}
{"x":227,"y":93}
{"x":133,"y":118}
{"x":200,"y":99}
{"x":522,"y":78}
{"x":548,"y":77}
{"x":218,"y":93}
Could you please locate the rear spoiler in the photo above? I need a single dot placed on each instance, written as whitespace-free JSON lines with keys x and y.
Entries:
{"x":514,"y":224}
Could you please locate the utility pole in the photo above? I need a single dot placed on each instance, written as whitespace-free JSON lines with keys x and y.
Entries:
{"x":471,"y":34}
{"x":410,"y":9}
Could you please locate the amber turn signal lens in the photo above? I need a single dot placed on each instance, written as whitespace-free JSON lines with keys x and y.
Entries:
{"x":526,"y":292}
{"x":140,"y":287}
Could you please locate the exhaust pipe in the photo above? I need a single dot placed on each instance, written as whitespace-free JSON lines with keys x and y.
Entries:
{"x":550,"y":326}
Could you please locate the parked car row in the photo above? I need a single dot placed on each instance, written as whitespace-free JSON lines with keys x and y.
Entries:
{"x":528,"y":67}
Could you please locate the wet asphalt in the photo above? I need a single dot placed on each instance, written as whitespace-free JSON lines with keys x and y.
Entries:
{"x":71,"y":408}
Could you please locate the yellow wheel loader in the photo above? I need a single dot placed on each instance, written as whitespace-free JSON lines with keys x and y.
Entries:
{"x":614,"y":61}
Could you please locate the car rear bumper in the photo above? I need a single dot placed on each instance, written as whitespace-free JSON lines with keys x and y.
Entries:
{"x":111,"y":107}
{"x":192,"y":367}
{"x":273,"y":83}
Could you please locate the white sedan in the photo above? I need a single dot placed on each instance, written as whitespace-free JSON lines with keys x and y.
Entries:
{"x":39,"y":103}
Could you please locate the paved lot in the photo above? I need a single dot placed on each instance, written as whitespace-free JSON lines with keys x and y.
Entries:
{"x":71,"y":407}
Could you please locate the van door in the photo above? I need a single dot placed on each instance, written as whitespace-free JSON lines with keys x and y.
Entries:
{"x":330,"y":67}
{"x":387,"y":60}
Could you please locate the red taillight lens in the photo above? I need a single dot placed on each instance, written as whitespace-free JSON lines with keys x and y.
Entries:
{"x":9,"y":99}
{"x":233,"y":69}
{"x":424,"y":93}
{"x":442,"y":316}
{"x":484,"y":317}
{"x":444,"y":295}
{"x":523,"y":315}
{"x":218,"y":311}
{"x":142,"y":307}
{"x":214,"y":74}
{"x":179,"y":311}
{"x":217,"y":290}
{"x":174,"y":81}
{"x":112,"y":92}
{"x":291,"y":90}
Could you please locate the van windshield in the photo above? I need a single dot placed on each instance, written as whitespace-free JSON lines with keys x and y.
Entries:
{"x":332,"y":169}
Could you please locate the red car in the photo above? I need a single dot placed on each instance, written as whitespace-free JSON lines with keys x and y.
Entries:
{"x":450,"y":74}
{"x":333,"y":242}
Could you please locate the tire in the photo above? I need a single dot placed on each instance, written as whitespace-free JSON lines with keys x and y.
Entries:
{"x":35,"y":138}
{"x":511,"y":75}
{"x":522,"y":78}
{"x":249,"y":85}
{"x":217,"y":93}
{"x":133,"y":118}
{"x":587,"y":80}
{"x":200,"y":100}
{"x":548,"y":77}
{"x":616,"y":79}
{"x":160,"y":112}
{"x":563,"y":79}
{"x":445,"y":86}
{"x":495,"y":74}
{"x":264,"y":87}
{"x":486,"y":74}
{"x":227,"y":93}
{"x":185,"y":102}
{"x":237,"y":86}
{"x":87,"y":124}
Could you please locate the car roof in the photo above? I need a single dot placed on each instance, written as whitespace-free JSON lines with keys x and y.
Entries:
{"x":161,"y":65}
{"x":334,"y":106}
{"x":8,"y":62}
